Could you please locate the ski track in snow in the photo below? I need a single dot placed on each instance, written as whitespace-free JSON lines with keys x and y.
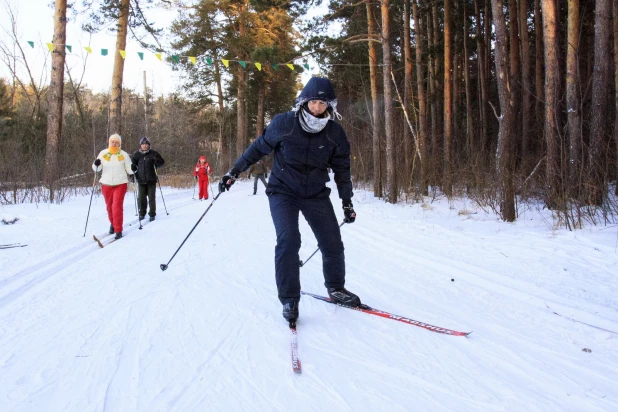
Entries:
{"x":90,"y":329}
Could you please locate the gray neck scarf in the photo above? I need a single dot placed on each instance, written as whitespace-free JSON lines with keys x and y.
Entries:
{"x":312,"y":124}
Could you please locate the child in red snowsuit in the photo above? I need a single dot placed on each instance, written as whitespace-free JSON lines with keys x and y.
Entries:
{"x":201,"y":172}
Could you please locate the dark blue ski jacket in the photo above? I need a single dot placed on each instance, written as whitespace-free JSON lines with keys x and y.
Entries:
{"x":301,"y":159}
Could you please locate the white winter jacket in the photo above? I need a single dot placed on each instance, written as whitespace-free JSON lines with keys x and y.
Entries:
{"x":115,"y":167}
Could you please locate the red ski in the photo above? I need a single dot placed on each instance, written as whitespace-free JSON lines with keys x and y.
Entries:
{"x":381,"y":313}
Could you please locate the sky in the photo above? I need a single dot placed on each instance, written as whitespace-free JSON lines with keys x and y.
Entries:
{"x":35,"y":23}
{"x":84,"y":328}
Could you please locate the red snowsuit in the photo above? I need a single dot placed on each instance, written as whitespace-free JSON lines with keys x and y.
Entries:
{"x":202,"y":170}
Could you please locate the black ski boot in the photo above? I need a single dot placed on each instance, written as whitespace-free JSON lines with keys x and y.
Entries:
{"x":343,"y":296}
{"x":290,"y":311}
{"x":152,"y":218}
{"x":118,"y":235}
{"x":111,"y":229}
{"x":141,"y":217}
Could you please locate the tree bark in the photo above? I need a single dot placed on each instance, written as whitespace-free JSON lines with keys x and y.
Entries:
{"x":121,"y":44}
{"x":466,"y":73}
{"x":479,"y":148}
{"x":448,"y":102}
{"x":615,"y":15}
{"x":55,"y":98}
{"x":551,"y":101}
{"x":506,"y":136}
{"x":514,"y":65}
{"x":422,"y":108}
{"x":407,"y":91}
{"x":376,"y":123}
{"x":435,"y":147}
{"x":538,"y":63}
{"x":391,"y":154}
{"x":573,"y":110}
{"x":526,"y":96}
{"x":598,"y":120}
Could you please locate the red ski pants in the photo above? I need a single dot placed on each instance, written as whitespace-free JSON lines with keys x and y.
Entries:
{"x":202,"y":182}
{"x":114,"y":199}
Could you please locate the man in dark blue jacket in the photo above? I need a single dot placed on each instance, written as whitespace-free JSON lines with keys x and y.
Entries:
{"x":145,"y":163}
{"x":306,"y":142}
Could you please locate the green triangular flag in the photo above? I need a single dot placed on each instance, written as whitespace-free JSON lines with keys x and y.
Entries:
{"x":103,"y":52}
{"x":306,"y":66}
{"x":68,"y":47}
{"x":209,"y":61}
{"x":275,"y":66}
{"x":31,"y":43}
{"x":243,"y":64}
{"x":141,"y":55}
{"x":175,"y":58}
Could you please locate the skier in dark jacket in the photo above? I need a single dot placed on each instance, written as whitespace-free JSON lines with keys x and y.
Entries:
{"x":306,"y":142}
{"x":258,"y":170}
{"x":145,"y":164}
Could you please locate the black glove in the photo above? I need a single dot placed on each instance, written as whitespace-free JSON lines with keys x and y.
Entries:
{"x":195,"y":177}
{"x":132,"y":178}
{"x":348,"y":211}
{"x":227,"y":181}
{"x":97,"y":162}
{"x":133,"y":167}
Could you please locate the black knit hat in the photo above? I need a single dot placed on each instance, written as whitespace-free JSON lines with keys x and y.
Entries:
{"x":144,"y":140}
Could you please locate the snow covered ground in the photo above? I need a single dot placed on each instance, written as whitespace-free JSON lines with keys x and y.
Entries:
{"x":90,"y":329}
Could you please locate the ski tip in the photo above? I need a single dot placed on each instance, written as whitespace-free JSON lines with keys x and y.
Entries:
{"x":98,"y":241}
{"x":163,"y":267}
{"x":293,"y":324}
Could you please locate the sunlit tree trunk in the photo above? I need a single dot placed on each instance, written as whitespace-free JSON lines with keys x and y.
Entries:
{"x":466,"y":73}
{"x":391,"y":155}
{"x":407,"y":92}
{"x":55,"y":97}
{"x":506,"y":135}
{"x":377,"y":123}
{"x":422,"y":107}
{"x":448,"y":101}
{"x":115,"y":121}
{"x":573,"y":111}
{"x":538,"y":63}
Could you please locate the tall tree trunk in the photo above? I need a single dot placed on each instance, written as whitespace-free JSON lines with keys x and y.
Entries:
{"x":482,"y":82}
{"x":407,"y":91}
{"x":598,"y":120}
{"x":448,"y":101}
{"x":466,"y":73}
{"x":615,"y":15}
{"x":55,"y":98}
{"x":259,"y":123}
{"x":422,"y":108}
{"x":391,"y":154}
{"x":506,"y":135}
{"x":241,"y":104}
{"x":538,"y":63}
{"x":551,"y":102}
{"x":573,"y":111}
{"x":376,"y":124}
{"x":525,"y":78}
{"x":514,"y":65}
{"x":121,"y":44}
{"x":435,"y":153}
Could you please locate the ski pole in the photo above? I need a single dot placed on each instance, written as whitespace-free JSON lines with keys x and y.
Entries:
{"x":162,"y":198}
{"x":163,"y":266}
{"x":316,"y":251}
{"x":135,"y":196}
{"x":193,"y":197}
{"x":135,"y":190}
{"x":94,"y":182}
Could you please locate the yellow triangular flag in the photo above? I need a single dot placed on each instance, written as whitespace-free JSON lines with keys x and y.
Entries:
{"x":158,"y":56}
{"x":88,"y":49}
{"x":226,"y":62}
{"x":123,"y":53}
{"x":50,"y":46}
{"x":291,"y":66}
{"x":259,"y":66}
{"x":192,"y":59}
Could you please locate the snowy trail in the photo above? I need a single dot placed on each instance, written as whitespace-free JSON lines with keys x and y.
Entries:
{"x":90,"y":329}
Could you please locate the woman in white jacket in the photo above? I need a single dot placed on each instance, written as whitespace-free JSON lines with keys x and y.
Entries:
{"x":116,"y":165}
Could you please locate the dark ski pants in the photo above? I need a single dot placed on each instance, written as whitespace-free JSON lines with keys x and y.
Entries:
{"x":320,"y":215}
{"x":148,"y":190}
{"x":255,"y":180}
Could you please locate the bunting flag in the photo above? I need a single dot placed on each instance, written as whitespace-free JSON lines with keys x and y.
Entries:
{"x":176,"y":58}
